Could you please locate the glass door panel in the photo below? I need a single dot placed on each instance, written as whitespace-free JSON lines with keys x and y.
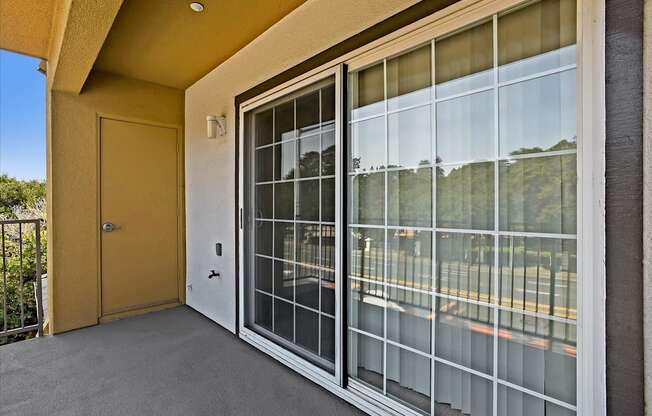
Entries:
{"x":461,"y":219}
{"x":289,"y":203}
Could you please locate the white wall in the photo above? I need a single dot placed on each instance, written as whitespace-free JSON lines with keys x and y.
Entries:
{"x":210,"y":164}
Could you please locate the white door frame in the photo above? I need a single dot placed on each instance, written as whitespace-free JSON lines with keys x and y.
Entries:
{"x":591,"y":345}
{"x":304,"y":366}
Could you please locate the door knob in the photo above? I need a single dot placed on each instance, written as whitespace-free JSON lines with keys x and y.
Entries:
{"x":107,"y":227}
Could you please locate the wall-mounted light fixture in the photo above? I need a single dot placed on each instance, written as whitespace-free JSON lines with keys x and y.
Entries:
{"x":215,"y":126}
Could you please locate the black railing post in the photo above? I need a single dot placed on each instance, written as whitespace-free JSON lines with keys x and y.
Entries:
{"x":4,"y":280}
{"x":39,"y":287}
{"x":12,"y":247}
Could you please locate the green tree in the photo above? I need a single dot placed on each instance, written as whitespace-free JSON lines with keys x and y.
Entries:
{"x":20,"y":200}
{"x":16,"y":195}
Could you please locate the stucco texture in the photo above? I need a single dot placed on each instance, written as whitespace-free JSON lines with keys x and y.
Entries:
{"x":25,"y":26}
{"x":210,"y":164}
{"x":73,"y":184}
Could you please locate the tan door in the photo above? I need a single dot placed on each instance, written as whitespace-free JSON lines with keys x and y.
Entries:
{"x":138,"y":215}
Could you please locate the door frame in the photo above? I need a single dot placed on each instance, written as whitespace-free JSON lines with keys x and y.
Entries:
{"x":181,"y":218}
{"x":591,"y":119}
{"x":247,"y":334}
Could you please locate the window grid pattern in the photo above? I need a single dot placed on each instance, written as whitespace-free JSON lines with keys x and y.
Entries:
{"x":557,"y":322}
{"x":320,"y":257}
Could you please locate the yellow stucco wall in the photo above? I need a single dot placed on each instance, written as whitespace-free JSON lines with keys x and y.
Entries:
{"x":26,"y":32}
{"x":73,"y":184}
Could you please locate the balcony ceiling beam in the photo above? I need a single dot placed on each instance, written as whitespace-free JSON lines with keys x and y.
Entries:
{"x":79,"y":29}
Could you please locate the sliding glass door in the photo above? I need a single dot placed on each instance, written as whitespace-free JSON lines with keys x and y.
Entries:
{"x":290,"y":213}
{"x":462,"y":190}
{"x":459,"y":280}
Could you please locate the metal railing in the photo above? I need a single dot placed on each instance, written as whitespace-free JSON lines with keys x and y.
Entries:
{"x":20,"y":267}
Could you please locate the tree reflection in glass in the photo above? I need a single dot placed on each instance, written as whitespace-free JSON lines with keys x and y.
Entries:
{"x":409,"y":197}
{"x":465,"y":196}
{"x":539,"y":194}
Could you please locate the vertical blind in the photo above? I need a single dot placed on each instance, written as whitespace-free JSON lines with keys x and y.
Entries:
{"x":462,"y":182}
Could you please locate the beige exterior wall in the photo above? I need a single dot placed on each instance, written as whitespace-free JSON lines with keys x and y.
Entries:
{"x":210,"y":164}
{"x":73,"y":249}
{"x":27,"y":33}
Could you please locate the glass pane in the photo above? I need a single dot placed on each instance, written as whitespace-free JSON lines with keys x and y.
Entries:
{"x":328,"y":292}
{"x":408,"y":377}
{"x":367,"y":199}
{"x":264,"y":198}
{"x":465,"y":128}
{"x":539,"y":275}
{"x":366,"y":359}
{"x":464,"y":61}
{"x":307,"y":286}
{"x":328,"y":200}
{"x":539,"y":195}
{"x":309,"y":156}
{"x":284,"y":280}
{"x":410,"y":258}
{"x":284,"y":240}
{"x":264,"y":164}
{"x":308,"y":200}
{"x":409,"y":194}
{"x":328,"y":338}
{"x":284,"y":319}
{"x":308,"y":243}
{"x":328,"y":153}
{"x":465,"y":265}
{"x":367,"y":145}
{"x":328,"y":103}
{"x":515,"y":403}
{"x":366,"y":306}
{"x":284,"y":121}
{"x":538,"y":354}
{"x":284,"y":201}
{"x":465,"y":196}
{"x":536,"y":38}
{"x":409,"y":318}
{"x":308,"y":113}
{"x":409,"y":135}
{"x":539,"y":115}
{"x":458,"y":392}
{"x":308,"y":329}
{"x":464,"y":334}
{"x":290,"y":253}
{"x":263,"y":310}
{"x":264,"y":237}
{"x":367,"y":92}
{"x":409,"y":78}
{"x":264,"y":274}
{"x":328,"y":246}
{"x":367,"y":253}
{"x":285,"y":161}
{"x":264,"y":127}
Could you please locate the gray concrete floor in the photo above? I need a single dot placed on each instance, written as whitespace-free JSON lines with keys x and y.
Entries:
{"x":174,"y":362}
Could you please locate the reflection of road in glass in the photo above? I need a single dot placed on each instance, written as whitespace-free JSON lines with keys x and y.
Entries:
{"x":531,"y":288}
{"x":535,"y":332}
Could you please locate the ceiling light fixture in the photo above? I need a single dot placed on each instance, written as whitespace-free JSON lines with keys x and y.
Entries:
{"x":197,"y":7}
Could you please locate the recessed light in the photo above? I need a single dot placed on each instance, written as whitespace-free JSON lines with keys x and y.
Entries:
{"x":197,"y":7}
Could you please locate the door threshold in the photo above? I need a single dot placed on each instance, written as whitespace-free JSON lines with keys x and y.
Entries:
{"x":138,"y":311}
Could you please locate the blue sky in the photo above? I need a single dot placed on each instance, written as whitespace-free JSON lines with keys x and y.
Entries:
{"x":22,"y":117}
